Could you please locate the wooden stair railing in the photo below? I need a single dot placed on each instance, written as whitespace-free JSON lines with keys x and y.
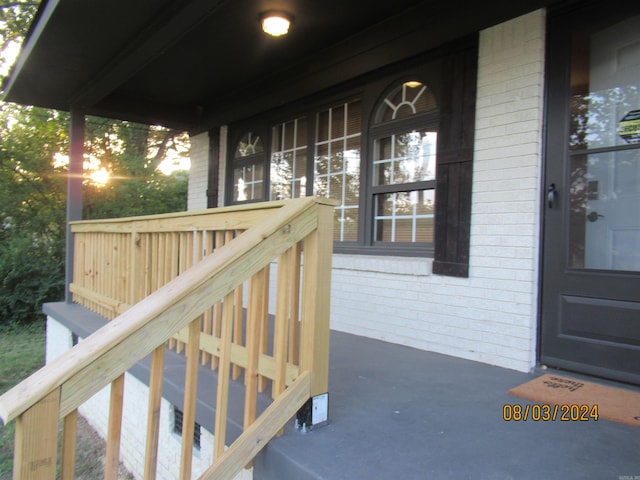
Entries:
{"x":54,"y":393}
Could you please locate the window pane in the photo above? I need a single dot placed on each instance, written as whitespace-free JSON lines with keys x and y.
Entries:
{"x":337,"y":165}
{"x":407,"y":99}
{"x":605,"y":103}
{"x":405,"y":158}
{"x":337,"y":122}
{"x":289,"y":160}
{"x":322,"y":134}
{"x":247,"y":183}
{"x":345,"y":227}
{"x":405,"y":217}
{"x":354,"y":118}
{"x":249,"y":144}
{"x":604,"y":206}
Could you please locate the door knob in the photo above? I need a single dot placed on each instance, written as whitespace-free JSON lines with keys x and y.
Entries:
{"x":594,"y":216}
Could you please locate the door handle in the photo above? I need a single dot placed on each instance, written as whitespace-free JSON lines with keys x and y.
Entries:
{"x":551,"y":195}
{"x":594,"y":216}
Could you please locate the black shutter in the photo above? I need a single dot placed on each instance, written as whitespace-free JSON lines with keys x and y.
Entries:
{"x":214,"y":168}
{"x":455,"y":163}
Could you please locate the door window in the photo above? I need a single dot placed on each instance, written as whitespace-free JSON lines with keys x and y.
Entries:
{"x":604,"y":146}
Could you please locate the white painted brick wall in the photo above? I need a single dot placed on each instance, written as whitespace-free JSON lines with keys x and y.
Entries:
{"x":134,"y":423}
{"x":198,"y":173}
{"x":491,"y":316}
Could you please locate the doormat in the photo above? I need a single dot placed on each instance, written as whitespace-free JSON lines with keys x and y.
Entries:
{"x":563,"y":398}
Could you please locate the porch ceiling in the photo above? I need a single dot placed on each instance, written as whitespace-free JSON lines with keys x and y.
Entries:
{"x":197,"y":63}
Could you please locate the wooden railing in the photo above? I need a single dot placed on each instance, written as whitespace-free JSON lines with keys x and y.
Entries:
{"x":181,"y":279}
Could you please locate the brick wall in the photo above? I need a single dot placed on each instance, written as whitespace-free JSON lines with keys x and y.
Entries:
{"x":491,"y":316}
{"x":198,"y":173}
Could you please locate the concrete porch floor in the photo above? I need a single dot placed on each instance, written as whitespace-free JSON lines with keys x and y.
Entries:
{"x":400,"y":413}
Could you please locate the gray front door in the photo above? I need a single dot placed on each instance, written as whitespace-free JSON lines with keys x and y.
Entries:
{"x":590,"y":313}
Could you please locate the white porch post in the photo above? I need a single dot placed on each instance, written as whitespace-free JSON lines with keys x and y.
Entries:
{"x":74,"y":189}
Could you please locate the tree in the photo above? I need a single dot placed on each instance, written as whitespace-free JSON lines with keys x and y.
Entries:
{"x":33,"y":171}
{"x":130,"y":154}
{"x":15,"y":18}
{"x":32,"y":211}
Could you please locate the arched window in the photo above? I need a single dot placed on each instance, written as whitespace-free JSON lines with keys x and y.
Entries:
{"x":248,"y":169}
{"x":404,"y":134}
{"x":405,"y":100}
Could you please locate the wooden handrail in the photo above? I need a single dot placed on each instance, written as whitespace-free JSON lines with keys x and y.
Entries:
{"x":65,"y":383}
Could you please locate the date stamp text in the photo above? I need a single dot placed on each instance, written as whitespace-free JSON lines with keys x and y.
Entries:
{"x":515,"y":412}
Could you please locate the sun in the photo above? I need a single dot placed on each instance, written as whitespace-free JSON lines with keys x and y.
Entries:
{"x":100,"y":177}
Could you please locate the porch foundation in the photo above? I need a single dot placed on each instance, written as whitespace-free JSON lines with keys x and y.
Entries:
{"x":60,"y":338}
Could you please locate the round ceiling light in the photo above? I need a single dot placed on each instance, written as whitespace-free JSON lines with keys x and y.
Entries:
{"x":275,"y":24}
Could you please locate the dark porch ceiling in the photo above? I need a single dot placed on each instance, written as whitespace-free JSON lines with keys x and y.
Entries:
{"x":192,"y":64}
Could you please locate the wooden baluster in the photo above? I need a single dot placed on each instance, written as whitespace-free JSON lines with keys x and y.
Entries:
{"x":190,"y":258}
{"x":170,"y":271}
{"x":112,"y":456}
{"x":67,"y":468}
{"x":153,"y":418}
{"x":281,"y":327}
{"x":238,"y":320}
{"x":207,"y":317}
{"x":294,"y":324}
{"x":95,"y":267}
{"x":224,"y":369}
{"x":161,"y":254}
{"x":264,"y":324}
{"x":126,"y":274}
{"x":112,"y":286}
{"x":256,"y":288}
{"x":121,"y":275}
{"x":148,"y":265}
{"x":190,"y":396}
{"x":186,"y":239}
{"x":133,"y":266}
{"x":237,"y":327}
{"x":216,"y":328}
{"x":36,"y":440}
{"x":78,"y":261}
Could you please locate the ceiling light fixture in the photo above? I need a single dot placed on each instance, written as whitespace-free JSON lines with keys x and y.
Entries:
{"x":275,"y":24}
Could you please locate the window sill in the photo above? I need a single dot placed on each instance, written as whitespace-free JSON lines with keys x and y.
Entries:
{"x":419,"y":267}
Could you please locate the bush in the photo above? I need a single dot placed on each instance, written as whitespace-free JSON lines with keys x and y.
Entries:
{"x":32,"y":273}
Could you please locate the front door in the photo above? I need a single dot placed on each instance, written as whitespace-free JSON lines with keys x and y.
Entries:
{"x":590,"y":314}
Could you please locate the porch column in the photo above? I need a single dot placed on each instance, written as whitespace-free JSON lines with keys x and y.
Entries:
{"x":74,"y":189}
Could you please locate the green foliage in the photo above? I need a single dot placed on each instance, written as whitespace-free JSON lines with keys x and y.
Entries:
{"x":32,"y":211}
{"x":129,"y":197}
{"x":15,"y":18}
{"x":21,"y":353}
{"x":32,"y":273}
